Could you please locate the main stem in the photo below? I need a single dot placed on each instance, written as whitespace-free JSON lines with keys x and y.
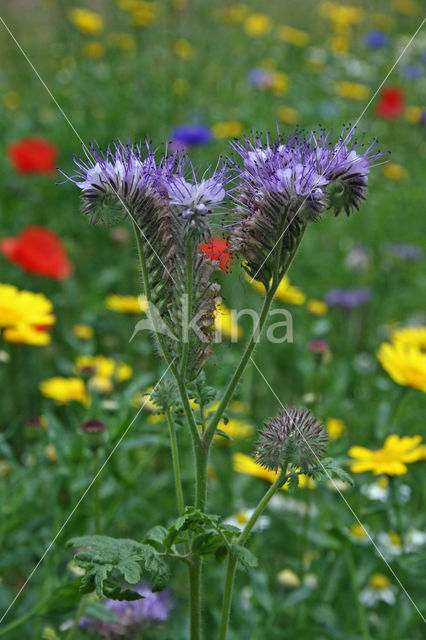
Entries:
{"x":241,"y":540}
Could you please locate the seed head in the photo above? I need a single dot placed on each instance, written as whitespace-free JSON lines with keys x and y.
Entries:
{"x":295,"y":436}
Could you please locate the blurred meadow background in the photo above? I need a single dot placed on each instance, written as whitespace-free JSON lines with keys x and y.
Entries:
{"x":200,"y":73}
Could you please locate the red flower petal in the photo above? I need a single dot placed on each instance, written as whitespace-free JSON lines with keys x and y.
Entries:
{"x":217,"y":249}
{"x":391,"y":103}
{"x":33,"y":155}
{"x":38,"y":250}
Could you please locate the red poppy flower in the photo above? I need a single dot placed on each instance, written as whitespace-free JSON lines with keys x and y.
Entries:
{"x":218,"y":249}
{"x":38,"y":250}
{"x":391,"y":103}
{"x":33,"y":155}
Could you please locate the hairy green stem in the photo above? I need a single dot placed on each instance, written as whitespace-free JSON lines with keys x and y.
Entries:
{"x":187,"y":316}
{"x":175,"y":461}
{"x":241,"y":540}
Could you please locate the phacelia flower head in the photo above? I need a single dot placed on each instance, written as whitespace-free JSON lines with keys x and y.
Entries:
{"x":132,"y":616}
{"x":295,"y":436}
{"x":120,"y":180}
{"x":288,"y":183}
{"x":345,"y":165}
{"x":196,"y":198}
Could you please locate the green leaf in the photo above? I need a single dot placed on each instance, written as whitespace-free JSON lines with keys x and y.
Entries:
{"x":225,"y":435}
{"x":329,"y":468}
{"x":246,"y":557}
{"x":109,"y":562}
{"x":98,"y":611}
{"x":156,"y":537}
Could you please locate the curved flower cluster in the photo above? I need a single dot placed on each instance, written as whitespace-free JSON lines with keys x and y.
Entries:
{"x":295,"y":436}
{"x":286,"y":184}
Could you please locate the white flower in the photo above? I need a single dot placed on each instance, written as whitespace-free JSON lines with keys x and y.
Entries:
{"x":414,"y":540}
{"x":379,"y":589}
{"x":390,"y":544}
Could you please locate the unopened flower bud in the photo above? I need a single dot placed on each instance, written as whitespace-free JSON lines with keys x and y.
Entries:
{"x":295,"y":436}
{"x":94,"y":433}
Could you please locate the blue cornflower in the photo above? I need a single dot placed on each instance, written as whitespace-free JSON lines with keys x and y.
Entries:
{"x":348,"y":298}
{"x":376,"y":39}
{"x":189,"y":135}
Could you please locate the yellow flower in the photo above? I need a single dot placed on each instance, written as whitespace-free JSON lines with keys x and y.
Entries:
{"x":288,"y":578}
{"x":245,"y":464}
{"x":407,"y":7}
{"x":93,"y":50}
{"x":413,"y":114}
{"x":230,"y":129}
{"x":51,"y":454}
{"x":317,"y":307}
{"x":99,"y":365}
{"x":394,"y":171}
{"x":378,"y":582}
{"x":179,"y":86}
{"x":226,"y":323}
{"x":288,"y":115}
{"x":126,"y":304}
{"x":279,"y":83}
{"x":293,"y":36}
{"x":257,"y":24}
{"x":235,"y":13}
{"x":87,"y":21}
{"x":358,"y":531}
{"x":123,"y":372}
{"x":24,"y":308}
{"x":12,"y":100}
{"x":405,"y":365}
{"x":83,"y":331}
{"x":392,"y":459}
{"x":142,"y":13}
{"x":123,"y":41}
{"x":183,"y":49}
{"x":236,"y":429}
{"x":25,"y":334}
{"x":411,"y":337}
{"x":285,"y":292}
{"x":64,"y":390}
{"x":352,"y":90}
{"x":335,"y":427}
{"x":340,"y":44}
{"x":341,"y":17}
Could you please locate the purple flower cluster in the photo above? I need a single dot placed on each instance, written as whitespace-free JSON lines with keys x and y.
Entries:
{"x":132,"y":616}
{"x":284,"y":185}
{"x":302,"y":167}
{"x":190,"y":135}
{"x":348,"y":298}
{"x":128,"y":176}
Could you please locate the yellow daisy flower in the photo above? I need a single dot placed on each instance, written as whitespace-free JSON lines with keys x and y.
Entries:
{"x":93,"y":50}
{"x":127,"y":304}
{"x":83,"y":331}
{"x":230,"y":129}
{"x":225,"y":322}
{"x":352,"y":90}
{"x":65,"y":390}
{"x":411,"y":337}
{"x":293,"y":36}
{"x":183,"y":49}
{"x":335,"y":428}
{"x":25,"y":334}
{"x":257,"y":24}
{"x":406,"y":365}
{"x":317,"y":307}
{"x":245,"y":464}
{"x":24,"y":308}
{"x":285,"y":292}
{"x":393,"y":171}
{"x":86,"y":21}
{"x":236,"y":429}
{"x":392,"y":459}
